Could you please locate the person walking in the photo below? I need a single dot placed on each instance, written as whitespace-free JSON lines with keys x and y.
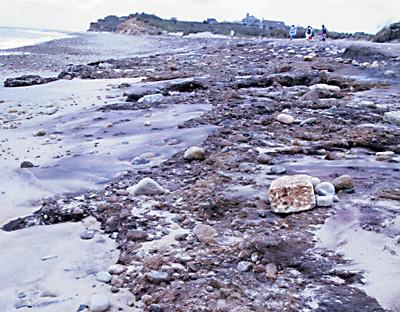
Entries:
{"x":308,"y":33}
{"x":292,"y":32}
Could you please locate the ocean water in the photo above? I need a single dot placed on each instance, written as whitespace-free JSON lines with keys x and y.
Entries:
{"x":11,"y":37}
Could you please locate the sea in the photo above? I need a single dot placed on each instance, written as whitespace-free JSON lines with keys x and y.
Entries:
{"x":11,"y":37}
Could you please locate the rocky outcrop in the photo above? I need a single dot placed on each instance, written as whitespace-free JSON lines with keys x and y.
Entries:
{"x":108,"y":24}
{"x":389,"y":33}
{"x":134,"y":26}
{"x":26,"y":81}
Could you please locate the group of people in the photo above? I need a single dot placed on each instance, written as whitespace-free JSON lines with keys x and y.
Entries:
{"x":309,"y":34}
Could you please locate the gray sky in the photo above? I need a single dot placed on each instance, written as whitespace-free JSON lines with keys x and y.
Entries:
{"x":341,"y":15}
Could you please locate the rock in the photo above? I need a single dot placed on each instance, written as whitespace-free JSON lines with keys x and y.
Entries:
{"x":244,"y":266}
{"x":271,"y":270}
{"x":99,"y":303}
{"x":277,"y":170}
{"x":27,"y":80}
{"x":136,"y":235}
{"x":325,"y":201}
{"x":285,"y":118}
{"x":308,"y":121}
{"x":140,"y":161}
{"x":151,"y":98}
{"x":385,"y":156}
{"x":325,"y":188}
{"x":389,"y":73}
{"x":392,"y":117}
{"x":324,"y":87}
{"x":104,"y":277}
{"x":315,"y":181}
{"x":205,"y":233}
{"x":147,"y":123}
{"x":146,"y":186}
{"x":194,"y":153}
{"x":40,"y":133}
{"x":308,"y":58}
{"x":343,"y":182}
{"x":157,"y":277}
{"x":88,"y":234}
{"x":116,"y":269}
{"x":27,"y":164}
{"x":292,"y":194}
{"x":265,"y":159}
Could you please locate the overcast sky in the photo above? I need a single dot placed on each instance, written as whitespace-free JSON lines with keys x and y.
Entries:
{"x":341,"y":15}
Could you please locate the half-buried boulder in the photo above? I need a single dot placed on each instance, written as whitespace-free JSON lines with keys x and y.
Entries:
{"x":292,"y":194}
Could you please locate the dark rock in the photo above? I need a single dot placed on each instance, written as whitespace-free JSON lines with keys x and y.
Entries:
{"x":27,"y":80}
{"x":27,"y":164}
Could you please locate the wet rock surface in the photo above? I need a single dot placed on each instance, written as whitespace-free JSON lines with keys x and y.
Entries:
{"x":213,"y":240}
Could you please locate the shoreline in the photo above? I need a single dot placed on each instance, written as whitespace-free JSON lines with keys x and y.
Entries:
{"x":227,"y":190}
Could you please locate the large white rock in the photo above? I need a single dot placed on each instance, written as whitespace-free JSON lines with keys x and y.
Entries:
{"x":99,"y":303}
{"x":325,"y":188}
{"x":292,"y":194}
{"x":146,"y":186}
{"x":392,"y":117}
{"x":194,"y":153}
{"x":324,"y":87}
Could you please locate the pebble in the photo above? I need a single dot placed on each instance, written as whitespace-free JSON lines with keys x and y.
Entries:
{"x":40,"y":133}
{"x":146,"y":186}
{"x":325,"y":188}
{"x":139,"y":161}
{"x":271,"y":270}
{"x":244,"y":266}
{"x":277,"y":170}
{"x":104,"y":277}
{"x":285,"y":118}
{"x":325,"y":201}
{"x":88,"y":234}
{"x":27,"y":164}
{"x":99,"y":303}
{"x":116,"y":269}
{"x":205,"y":233}
{"x":343,"y":182}
{"x":157,"y":277}
{"x":194,"y":153}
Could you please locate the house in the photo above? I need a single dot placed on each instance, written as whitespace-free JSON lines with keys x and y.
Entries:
{"x":211,"y":21}
{"x":272,"y":25}
{"x":250,"y":21}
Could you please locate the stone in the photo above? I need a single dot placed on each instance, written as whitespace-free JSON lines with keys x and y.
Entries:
{"x":308,"y":121}
{"x":99,"y":303}
{"x":146,"y":186}
{"x":325,"y":188}
{"x":116,"y":269}
{"x":151,"y":98}
{"x":194,"y":153}
{"x":137,"y":161}
{"x":88,"y":234}
{"x":325,"y":201}
{"x":277,"y":170}
{"x":271,"y":270}
{"x":40,"y":133}
{"x":156,"y":308}
{"x":27,"y":164}
{"x":343,"y":182}
{"x":157,"y":277}
{"x":392,"y":117}
{"x":308,"y":58}
{"x":27,"y":80}
{"x":315,"y":181}
{"x":104,"y":277}
{"x":136,"y":235}
{"x":292,"y":194}
{"x":389,"y":73}
{"x":265,"y":159}
{"x":285,"y":118}
{"x":205,"y":233}
{"x":325,"y":87}
{"x":244,"y":266}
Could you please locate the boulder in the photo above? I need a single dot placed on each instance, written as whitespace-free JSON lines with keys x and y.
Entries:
{"x":157,"y":277}
{"x":27,"y":164}
{"x":392,"y":117}
{"x":116,"y":269}
{"x":104,"y":277}
{"x":146,"y":186}
{"x":27,"y":80}
{"x":151,"y":98}
{"x":343,"y":182}
{"x":292,"y":194}
{"x":194,"y":153}
{"x":325,"y":201}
